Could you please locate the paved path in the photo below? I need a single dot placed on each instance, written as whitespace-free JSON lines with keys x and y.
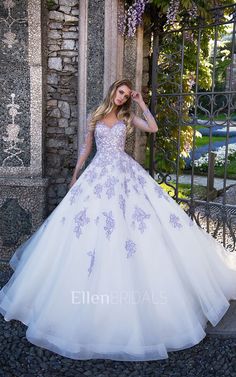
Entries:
{"x":200,"y":151}
{"x":216,"y":131}
{"x":202,"y":180}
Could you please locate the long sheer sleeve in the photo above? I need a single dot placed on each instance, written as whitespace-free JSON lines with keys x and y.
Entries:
{"x":87,"y":143}
{"x":147,"y":125}
{"x":87,"y":139}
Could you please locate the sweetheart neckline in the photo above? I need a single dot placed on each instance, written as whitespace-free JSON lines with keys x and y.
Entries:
{"x":110,"y":127}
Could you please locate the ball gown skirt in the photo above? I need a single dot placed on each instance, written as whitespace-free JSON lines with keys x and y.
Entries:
{"x":118,"y":270}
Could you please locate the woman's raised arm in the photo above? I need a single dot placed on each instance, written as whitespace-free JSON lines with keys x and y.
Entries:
{"x":148,"y":125}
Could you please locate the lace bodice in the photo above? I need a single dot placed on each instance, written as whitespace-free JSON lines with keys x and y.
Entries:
{"x":110,"y":139}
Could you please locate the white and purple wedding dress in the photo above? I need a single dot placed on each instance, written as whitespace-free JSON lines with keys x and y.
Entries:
{"x":118,"y":270}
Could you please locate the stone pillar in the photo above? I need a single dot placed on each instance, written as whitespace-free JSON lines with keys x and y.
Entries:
{"x":91,"y":61}
{"x":61,"y":116}
{"x":22,"y":187}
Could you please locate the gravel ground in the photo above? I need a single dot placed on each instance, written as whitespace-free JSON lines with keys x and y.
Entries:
{"x":19,"y":358}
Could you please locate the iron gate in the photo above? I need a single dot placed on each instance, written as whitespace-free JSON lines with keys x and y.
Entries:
{"x":193,"y":94}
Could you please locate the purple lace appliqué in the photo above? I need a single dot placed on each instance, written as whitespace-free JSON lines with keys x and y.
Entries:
{"x":127,"y":191}
{"x":110,"y":184}
{"x":110,"y":223}
{"x":122,"y":204}
{"x":141,"y":180}
{"x":130,"y":247}
{"x":132,"y":172}
{"x":81,"y":220}
{"x":174,"y":220}
{"x":92,"y":255}
{"x":161,"y":193}
{"x":140,"y":216}
{"x":98,"y":190}
{"x":96,"y":220}
{"x":136,"y":189}
{"x":91,"y":175}
{"x":75,"y":191}
{"x":103,"y":172}
{"x":122,"y":165}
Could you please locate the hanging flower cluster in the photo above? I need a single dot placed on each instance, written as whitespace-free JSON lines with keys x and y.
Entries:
{"x":174,"y":10}
{"x":132,"y":17}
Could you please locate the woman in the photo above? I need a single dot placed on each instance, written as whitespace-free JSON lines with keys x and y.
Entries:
{"x":118,"y":271}
{"x":116,"y":104}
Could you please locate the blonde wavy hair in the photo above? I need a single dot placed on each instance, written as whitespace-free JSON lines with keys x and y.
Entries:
{"x":123,"y":111}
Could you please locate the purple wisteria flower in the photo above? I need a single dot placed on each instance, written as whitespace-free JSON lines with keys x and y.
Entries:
{"x":175,"y":222}
{"x":132,"y":17}
{"x":172,"y":12}
{"x":140,"y":216}
{"x":81,"y":220}
{"x":92,"y":255}
{"x":110,"y":223}
{"x":130,"y":247}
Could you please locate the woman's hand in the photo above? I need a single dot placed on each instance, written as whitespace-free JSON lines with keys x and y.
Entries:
{"x":137,"y":97}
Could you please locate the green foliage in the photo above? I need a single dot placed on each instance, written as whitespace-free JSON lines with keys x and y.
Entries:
{"x":203,"y":7}
{"x":176,"y":77}
{"x":51,"y":4}
{"x":204,"y":140}
{"x":223,"y":60}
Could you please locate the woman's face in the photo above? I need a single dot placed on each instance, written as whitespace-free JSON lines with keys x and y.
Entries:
{"x":122,"y":94}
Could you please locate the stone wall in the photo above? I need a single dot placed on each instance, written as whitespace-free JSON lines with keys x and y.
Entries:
{"x":22,"y":186}
{"x":61,"y":118}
